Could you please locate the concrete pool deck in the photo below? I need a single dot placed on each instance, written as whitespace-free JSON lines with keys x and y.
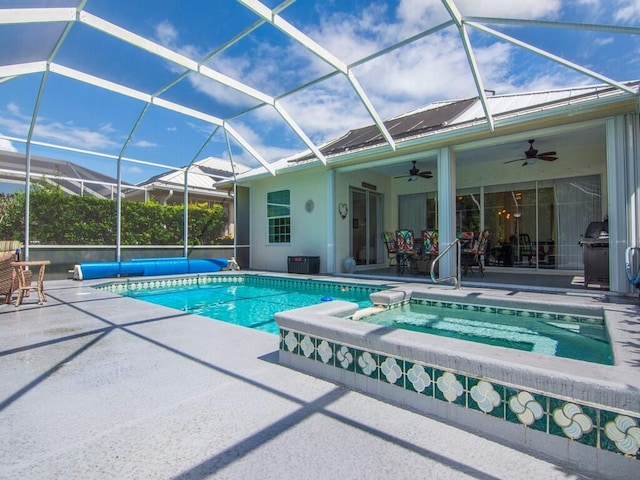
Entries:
{"x":94,"y":385}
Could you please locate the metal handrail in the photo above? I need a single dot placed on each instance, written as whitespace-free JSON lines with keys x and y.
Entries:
{"x":456,"y":275}
{"x":628,"y":256}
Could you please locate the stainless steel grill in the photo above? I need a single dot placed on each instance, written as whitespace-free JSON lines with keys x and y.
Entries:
{"x":595,"y":249}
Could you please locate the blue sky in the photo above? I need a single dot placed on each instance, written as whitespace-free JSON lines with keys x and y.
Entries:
{"x":87,"y":118}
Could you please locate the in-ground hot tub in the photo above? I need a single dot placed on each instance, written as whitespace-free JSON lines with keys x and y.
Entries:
{"x":581,"y":413}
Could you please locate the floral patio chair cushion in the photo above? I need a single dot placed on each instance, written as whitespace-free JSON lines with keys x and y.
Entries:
{"x":390,"y":242}
{"x":405,"y":241}
{"x":466,"y":241}
{"x":430,"y":242}
{"x":482,"y":243}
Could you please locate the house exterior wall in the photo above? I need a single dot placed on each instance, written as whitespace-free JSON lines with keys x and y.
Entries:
{"x":316,"y":233}
{"x":308,"y":229}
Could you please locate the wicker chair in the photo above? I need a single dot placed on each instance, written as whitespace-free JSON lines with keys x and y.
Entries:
{"x":8,"y":284}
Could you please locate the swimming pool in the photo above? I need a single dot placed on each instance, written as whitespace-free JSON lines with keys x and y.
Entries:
{"x":578,"y":336}
{"x":246,"y":300}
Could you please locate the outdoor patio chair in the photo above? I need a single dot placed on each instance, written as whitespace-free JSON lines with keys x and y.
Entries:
{"x":475,"y":255}
{"x":525,"y":248}
{"x":428,"y":251}
{"x":406,"y":249}
{"x":8,"y":281}
{"x":466,"y":240}
{"x":429,"y":243}
{"x":392,"y":250}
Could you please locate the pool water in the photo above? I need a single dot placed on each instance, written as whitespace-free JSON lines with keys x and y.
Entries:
{"x":250,"y":306}
{"x":585,"y":340}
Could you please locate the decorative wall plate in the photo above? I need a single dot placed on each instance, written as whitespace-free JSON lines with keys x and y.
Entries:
{"x":343,"y":210}
{"x":308,"y":206}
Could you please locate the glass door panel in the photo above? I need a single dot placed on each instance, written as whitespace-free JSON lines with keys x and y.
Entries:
{"x":366,"y":233}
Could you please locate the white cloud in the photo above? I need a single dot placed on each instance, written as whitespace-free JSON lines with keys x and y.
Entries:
{"x":603,"y":41}
{"x":531,"y":9}
{"x":434,"y":68}
{"x":166,"y":33}
{"x":69,"y":134}
{"x":13,"y":109}
{"x":145,"y":144}
{"x":6,"y":145}
{"x":269,"y":152}
{"x":64,"y":133}
{"x":168,"y":36}
{"x":628,"y":11}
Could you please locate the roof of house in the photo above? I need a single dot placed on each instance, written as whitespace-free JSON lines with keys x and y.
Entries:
{"x":73,"y":178}
{"x":202,"y":176}
{"x":400,"y":127}
{"x":440,"y":117}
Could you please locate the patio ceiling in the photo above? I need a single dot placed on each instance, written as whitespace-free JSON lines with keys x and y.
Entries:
{"x":257,"y":81}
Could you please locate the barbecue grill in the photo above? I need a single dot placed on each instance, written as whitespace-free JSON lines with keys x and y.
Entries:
{"x":595,"y":250}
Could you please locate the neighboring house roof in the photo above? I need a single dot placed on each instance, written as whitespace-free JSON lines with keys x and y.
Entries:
{"x":440,"y":117}
{"x":72,"y":178}
{"x":202,"y":176}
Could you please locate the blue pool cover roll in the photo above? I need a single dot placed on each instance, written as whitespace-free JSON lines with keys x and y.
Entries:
{"x":149,"y":267}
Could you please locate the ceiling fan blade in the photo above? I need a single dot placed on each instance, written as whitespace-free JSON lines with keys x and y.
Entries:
{"x":547,"y":158}
{"x":427,"y":174}
{"x":516,"y":160}
{"x":402,"y":176}
{"x":547,"y":154}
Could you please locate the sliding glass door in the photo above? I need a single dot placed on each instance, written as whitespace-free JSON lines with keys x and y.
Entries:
{"x":536,"y":224}
{"x":540,"y":224}
{"x":366,"y":223}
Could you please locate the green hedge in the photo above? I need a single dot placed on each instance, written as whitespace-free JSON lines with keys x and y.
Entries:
{"x":60,"y":219}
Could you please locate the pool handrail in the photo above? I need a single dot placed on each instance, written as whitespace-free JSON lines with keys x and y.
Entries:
{"x":456,"y":275}
{"x":635,"y":280}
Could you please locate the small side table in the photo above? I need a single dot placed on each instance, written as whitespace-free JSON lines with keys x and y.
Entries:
{"x":23,"y":287}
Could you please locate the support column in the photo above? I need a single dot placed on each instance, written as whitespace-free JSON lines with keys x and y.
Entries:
{"x":446,"y":206}
{"x":331,"y":222}
{"x":623,"y":186}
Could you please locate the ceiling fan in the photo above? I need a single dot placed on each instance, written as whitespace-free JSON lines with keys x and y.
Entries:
{"x":415,"y":173}
{"x":531,"y":155}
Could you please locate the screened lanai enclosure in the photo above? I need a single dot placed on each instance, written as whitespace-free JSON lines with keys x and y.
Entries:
{"x":134,"y":90}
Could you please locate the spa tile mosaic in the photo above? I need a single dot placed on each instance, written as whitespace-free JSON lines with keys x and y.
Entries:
{"x":486,"y":397}
{"x":418,"y":378}
{"x":595,"y":426}
{"x":526,"y":408}
{"x":367,"y":364}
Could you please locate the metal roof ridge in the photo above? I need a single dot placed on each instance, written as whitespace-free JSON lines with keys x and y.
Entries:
{"x":600,"y":86}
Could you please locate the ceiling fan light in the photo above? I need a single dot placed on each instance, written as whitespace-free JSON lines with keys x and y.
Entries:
{"x":412,"y":178}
